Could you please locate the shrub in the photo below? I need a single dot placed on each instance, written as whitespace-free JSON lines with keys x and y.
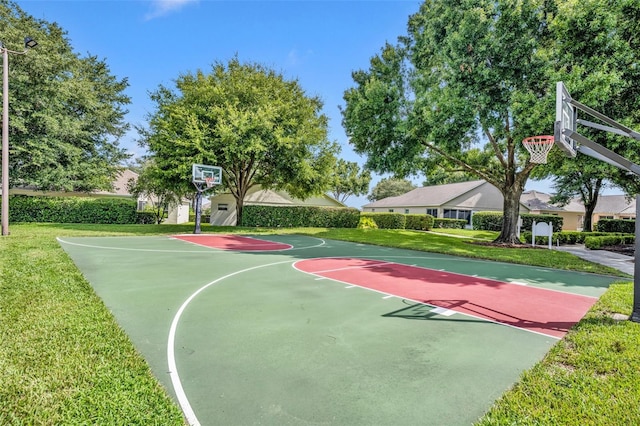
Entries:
{"x":72,"y":210}
{"x":492,"y":221}
{"x":367,"y":222}
{"x":487,"y":221}
{"x":449,"y":223}
{"x":388,"y":220}
{"x":595,"y":243}
{"x":616,"y":225}
{"x":300,"y":216}
{"x":420,"y":222}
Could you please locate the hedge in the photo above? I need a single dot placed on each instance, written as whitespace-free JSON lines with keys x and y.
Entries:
{"x":419,"y":222}
{"x":616,"y":225}
{"x":388,"y":220}
{"x":300,"y":216}
{"x":25,"y":208}
{"x":492,"y":221}
{"x":449,"y":223}
{"x":570,"y":237}
{"x":595,"y":243}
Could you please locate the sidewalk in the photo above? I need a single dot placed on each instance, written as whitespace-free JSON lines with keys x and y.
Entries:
{"x":618,"y":261}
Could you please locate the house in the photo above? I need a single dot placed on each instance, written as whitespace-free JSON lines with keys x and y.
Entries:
{"x":452,"y":201}
{"x":614,"y":207}
{"x":461,"y":200}
{"x":223,"y":206}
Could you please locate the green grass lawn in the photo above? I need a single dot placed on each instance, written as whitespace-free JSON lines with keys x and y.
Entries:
{"x":64,"y":360}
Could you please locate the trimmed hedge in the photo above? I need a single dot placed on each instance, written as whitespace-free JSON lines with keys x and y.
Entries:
{"x":595,"y":243}
{"x":492,"y":221}
{"x":572,"y":237}
{"x":616,"y":225}
{"x":25,"y":208}
{"x":449,"y":223}
{"x":300,"y":216}
{"x":388,"y":220}
{"x":419,"y":222}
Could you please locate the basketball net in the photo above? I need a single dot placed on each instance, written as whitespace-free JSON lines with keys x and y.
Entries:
{"x":209,"y":182}
{"x":538,"y":147}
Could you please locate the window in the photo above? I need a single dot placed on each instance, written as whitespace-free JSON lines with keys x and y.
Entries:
{"x":433,"y":212}
{"x":223,"y":207}
{"x":458,"y":214}
{"x":141,"y":204}
{"x":406,"y":211}
{"x":390,"y":210}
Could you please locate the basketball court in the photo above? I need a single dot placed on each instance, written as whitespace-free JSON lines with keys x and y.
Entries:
{"x":297,"y":330}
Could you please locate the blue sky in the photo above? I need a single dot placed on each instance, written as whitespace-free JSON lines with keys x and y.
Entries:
{"x":151,"y":42}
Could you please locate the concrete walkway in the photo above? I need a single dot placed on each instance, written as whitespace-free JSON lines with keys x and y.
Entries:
{"x":618,"y":261}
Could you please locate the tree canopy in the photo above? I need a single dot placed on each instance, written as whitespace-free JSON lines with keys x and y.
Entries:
{"x":460,"y":89}
{"x":390,"y":187}
{"x":249,"y":120}
{"x":471,"y":80}
{"x":349,"y":180}
{"x":66,"y":112}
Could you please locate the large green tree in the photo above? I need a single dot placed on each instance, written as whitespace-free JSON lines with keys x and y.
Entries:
{"x":390,"y":187}
{"x":349,"y":180}
{"x":463,"y":88}
{"x":249,"y":120}
{"x":66,"y":111}
{"x":596,"y":53}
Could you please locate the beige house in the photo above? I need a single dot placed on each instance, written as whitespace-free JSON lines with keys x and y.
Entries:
{"x":223,"y":206}
{"x":461,"y":200}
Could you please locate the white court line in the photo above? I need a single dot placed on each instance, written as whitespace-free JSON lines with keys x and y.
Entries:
{"x":347,"y":268}
{"x":189,"y":414}
{"x":60,"y":240}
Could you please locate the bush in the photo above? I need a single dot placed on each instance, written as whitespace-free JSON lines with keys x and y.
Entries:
{"x":300,"y":216}
{"x":595,"y":243}
{"x":388,"y":220}
{"x":25,"y":208}
{"x":616,"y":225}
{"x":492,"y":221}
{"x":367,"y":223}
{"x":449,"y":223}
{"x":420,"y":222}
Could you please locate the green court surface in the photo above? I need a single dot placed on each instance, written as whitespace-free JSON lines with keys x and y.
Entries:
{"x":243,"y":338}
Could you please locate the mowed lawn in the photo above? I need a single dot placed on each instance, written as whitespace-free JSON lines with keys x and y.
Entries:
{"x":64,"y":360}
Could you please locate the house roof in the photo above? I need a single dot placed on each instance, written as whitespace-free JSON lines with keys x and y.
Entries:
{"x":616,"y":204}
{"x":120,"y":183}
{"x":428,"y":195}
{"x":541,"y":201}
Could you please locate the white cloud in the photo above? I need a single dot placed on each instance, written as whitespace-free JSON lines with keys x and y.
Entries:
{"x":161,"y":8}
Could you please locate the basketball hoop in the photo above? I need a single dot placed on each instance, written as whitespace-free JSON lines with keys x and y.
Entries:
{"x":538,"y":147}
{"x":209,"y":182}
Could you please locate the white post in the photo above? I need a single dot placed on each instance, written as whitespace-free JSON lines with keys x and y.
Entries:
{"x":5,"y":141}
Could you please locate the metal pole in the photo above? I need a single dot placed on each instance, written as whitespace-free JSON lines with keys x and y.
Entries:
{"x":5,"y":141}
{"x":635,"y":314}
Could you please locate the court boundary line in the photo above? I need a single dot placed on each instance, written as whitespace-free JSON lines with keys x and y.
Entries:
{"x":181,"y":395}
{"x":258,"y":240}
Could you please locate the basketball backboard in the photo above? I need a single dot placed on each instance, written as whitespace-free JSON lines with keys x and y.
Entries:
{"x":201,"y":173}
{"x":566,"y":119}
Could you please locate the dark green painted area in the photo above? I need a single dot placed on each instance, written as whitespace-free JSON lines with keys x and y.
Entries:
{"x":275,"y":346}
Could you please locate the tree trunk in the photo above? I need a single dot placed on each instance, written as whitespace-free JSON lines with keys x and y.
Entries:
{"x":589,"y":208}
{"x":239,"y":206}
{"x":510,"y":215}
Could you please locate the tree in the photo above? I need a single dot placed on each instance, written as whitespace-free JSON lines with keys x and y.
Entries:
{"x":247,"y":119}
{"x":463,"y":88}
{"x":596,"y":51}
{"x":66,"y":111}
{"x":390,"y":187}
{"x":150,"y":186}
{"x":349,"y":180}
